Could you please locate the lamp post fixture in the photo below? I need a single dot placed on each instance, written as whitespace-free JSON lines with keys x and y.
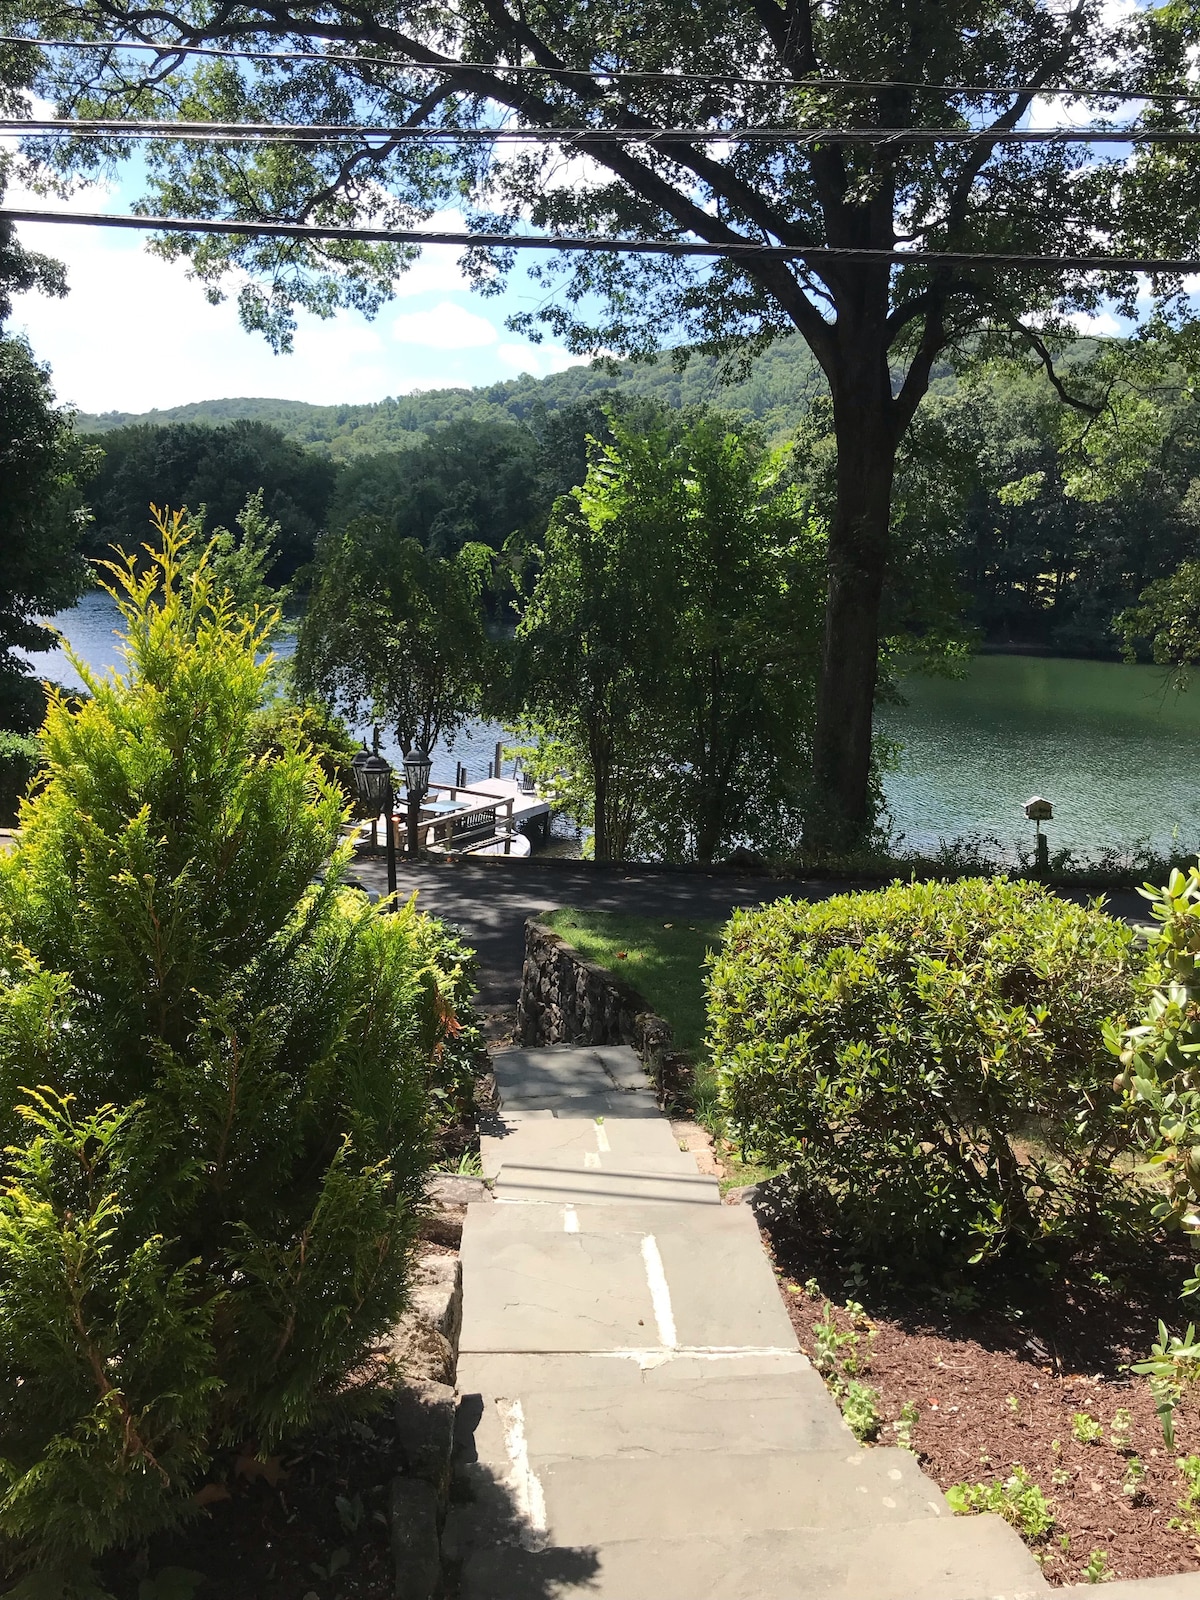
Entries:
{"x":1039,"y":811}
{"x":376,"y":790}
{"x":356,"y":766}
{"x":417,"y":767}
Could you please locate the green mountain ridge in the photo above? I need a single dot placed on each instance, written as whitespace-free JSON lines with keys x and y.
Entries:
{"x":774,"y":387}
{"x":778,"y":387}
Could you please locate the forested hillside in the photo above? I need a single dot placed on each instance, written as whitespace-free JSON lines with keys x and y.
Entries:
{"x":996,"y":529}
{"x":777,"y":391}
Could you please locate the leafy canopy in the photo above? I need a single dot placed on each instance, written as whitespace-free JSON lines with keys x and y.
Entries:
{"x":668,"y":649}
{"x":393,"y":635}
{"x":1047,"y":199}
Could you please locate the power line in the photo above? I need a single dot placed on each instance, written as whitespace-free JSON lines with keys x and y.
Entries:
{"x":336,"y":133}
{"x":619,"y":75}
{"x":664,"y":247}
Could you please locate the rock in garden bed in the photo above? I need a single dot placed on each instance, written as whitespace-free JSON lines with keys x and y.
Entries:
{"x":1033,"y":1382}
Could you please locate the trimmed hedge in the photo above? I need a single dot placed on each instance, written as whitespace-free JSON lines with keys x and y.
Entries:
{"x":929,"y":1061}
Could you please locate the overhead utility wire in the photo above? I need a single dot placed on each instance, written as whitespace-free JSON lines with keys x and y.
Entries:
{"x":614,"y":75}
{"x":662,"y":247}
{"x":336,"y":133}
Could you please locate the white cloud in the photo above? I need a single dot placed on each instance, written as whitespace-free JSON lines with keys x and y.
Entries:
{"x":1101,"y":323}
{"x":436,"y":271}
{"x":538,"y":360}
{"x":445,"y":326}
{"x":135,"y":333}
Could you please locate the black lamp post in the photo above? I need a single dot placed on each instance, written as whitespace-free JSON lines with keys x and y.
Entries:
{"x":376,"y":790}
{"x":356,"y":765}
{"x":417,"y":767}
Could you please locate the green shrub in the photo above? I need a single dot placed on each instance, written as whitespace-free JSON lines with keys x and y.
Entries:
{"x":1159,"y":1077}
{"x":929,"y":1061}
{"x":283,"y":719}
{"x":216,"y":1067}
{"x":20,"y":758}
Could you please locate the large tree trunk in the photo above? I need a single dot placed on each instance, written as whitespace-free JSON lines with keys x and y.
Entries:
{"x":858,"y":555}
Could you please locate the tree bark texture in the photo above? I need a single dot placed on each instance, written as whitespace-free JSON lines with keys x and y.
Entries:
{"x":859,"y":546}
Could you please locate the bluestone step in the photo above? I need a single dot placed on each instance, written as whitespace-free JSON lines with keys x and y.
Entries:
{"x":596,"y":1406}
{"x":540,"y":1138}
{"x":947,"y":1558}
{"x":618,"y":1181}
{"x":565,"y":1071}
{"x":609,"y":1103}
{"x":560,"y":1278}
{"x":604,"y":1499}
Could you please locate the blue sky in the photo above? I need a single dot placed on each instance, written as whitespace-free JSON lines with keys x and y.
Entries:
{"x":134,"y":333}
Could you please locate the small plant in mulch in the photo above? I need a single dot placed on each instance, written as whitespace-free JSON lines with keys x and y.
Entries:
{"x":841,"y":1357}
{"x":1098,"y":1569}
{"x":1016,"y":1498}
{"x":1085,"y":1429}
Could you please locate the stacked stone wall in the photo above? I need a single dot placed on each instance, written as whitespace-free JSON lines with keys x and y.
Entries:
{"x":566,"y":999}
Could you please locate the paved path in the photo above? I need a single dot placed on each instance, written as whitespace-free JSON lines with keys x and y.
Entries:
{"x":636,"y":1419}
{"x":490,"y":901}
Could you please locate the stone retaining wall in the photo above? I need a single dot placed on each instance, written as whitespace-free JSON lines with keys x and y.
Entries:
{"x":566,"y":999}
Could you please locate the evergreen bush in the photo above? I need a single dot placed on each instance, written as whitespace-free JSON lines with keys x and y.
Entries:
{"x":220,"y":1072}
{"x":1159,"y":1077}
{"x":20,"y":757}
{"x":929,"y":1062}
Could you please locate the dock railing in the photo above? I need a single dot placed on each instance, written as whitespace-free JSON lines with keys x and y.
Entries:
{"x":471,"y":826}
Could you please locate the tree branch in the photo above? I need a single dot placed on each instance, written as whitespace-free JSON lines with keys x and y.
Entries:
{"x":789,"y":28}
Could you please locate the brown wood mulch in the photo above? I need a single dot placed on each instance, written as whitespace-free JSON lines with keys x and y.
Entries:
{"x":999,"y":1386}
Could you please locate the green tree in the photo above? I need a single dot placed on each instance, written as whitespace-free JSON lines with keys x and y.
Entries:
{"x":1167,"y":616}
{"x":470,"y":482}
{"x":669,"y":647}
{"x":592,"y":645}
{"x":393,"y":635}
{"x":216,"y":1089}
{"x":217,"y":469}
{"x":42,"y":517}
{"x":876,"y":329}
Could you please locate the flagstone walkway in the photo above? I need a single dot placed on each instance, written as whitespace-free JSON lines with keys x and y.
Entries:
{"x":637,"y":1421}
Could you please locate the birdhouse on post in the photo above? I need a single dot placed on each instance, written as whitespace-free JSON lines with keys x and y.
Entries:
{"x":1039,"y":811}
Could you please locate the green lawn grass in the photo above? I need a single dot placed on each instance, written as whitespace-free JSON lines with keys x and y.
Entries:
{"x":665,"y":962}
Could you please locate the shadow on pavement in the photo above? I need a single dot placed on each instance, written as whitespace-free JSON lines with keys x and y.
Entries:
{"x":491,"y":1548}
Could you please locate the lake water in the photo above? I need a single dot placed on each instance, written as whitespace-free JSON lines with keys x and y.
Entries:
{"x":1116,"y":753}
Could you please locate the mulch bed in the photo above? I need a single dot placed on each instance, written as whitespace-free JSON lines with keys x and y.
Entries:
{"x":998,"y":1386}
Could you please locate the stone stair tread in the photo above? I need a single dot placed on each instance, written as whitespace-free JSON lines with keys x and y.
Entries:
{"x":566,"y":1071}
{"x":625,"y":1182}
{"x":605,"y":1499}
{"x":597,"y":1406}
{"x":546,"y":1137}
{"x":609,"y":1103}
{"x":623,"y":1065}
{"x":487,"y":1224}
{"x":531,"y":1285}
{"x":951,"y":1558}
